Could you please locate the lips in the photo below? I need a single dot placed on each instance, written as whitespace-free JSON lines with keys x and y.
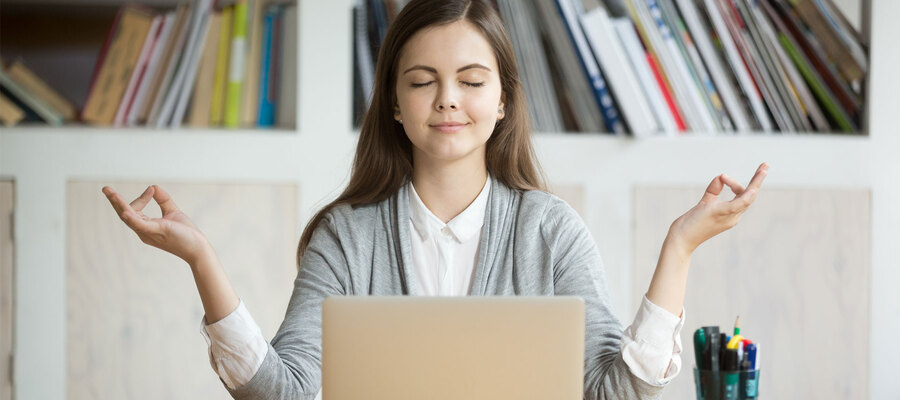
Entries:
{"x":448,"y":127}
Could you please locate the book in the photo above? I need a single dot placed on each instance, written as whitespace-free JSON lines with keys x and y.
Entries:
{"x":610,"y":111}
{"x":174,"y":59}
{"x":685,"y":89}
{"x":268,"y":79}
{"x":842,"y":91}
{"x":236,"y":68}
{"x":116,"y":62}
{"x":531,"y":57}
{"x":572,"y":80}
{"x":250,"y":88}
{"x":33,"y":108}
{"x":614,"y":63}
{"x":138,"y":109}
{"x":10,"y":113}
{"x":834,"y":47}
{"x":138,"y":72}
{"x":201,"y":99}
{"x":187,"y":72}
{"x":727,"y":87}
{"x":814,"y":80}
{"x":697,"y":68}
{"x":806,"y":101}
{"x":650,"y":87}
{"x":782,"y":101}
{"x":33,"y":84}
{"x":223,"y":56}
{"x":738,"y":67}
{"x":286,"y":112}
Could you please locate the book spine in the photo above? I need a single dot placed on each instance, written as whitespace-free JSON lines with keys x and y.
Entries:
{"x":611,"y":58}
{"x":638,"y":60}
{"x":138,"y":72}
{"x":236,"y":65}
{"x":266,"y":112}
{"x":222,"y":59}
{"x":39,"y":107}
{"x":601,"y":93}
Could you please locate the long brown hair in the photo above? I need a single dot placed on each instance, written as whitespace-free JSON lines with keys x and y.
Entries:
{"x":383,"y":160}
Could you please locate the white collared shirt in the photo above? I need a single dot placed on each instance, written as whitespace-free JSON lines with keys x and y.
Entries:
{"x":444,"y":257}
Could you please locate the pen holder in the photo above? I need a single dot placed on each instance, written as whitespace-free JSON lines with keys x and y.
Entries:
{"x":726,"y":385}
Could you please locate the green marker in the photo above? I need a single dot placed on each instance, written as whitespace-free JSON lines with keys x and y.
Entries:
{"x":699,"y":347}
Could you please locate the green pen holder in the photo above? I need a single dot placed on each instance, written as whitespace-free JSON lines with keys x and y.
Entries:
{"x":726,"y":385}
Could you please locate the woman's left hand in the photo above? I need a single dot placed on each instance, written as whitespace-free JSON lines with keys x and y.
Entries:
{"x":709,"y":217}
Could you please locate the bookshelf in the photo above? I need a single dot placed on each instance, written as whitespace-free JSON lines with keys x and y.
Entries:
{"x":316,"y":156}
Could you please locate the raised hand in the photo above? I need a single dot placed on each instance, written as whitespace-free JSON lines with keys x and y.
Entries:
{"x":710,"y":217}
{"x":174,"y":232}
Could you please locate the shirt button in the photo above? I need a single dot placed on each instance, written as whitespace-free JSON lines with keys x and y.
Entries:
{"x":446,"y":230}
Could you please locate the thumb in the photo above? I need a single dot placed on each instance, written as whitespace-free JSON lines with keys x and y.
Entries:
{"x":713,"y":190}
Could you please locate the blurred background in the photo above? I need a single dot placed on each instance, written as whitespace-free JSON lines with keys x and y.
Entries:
{"x":637,"y":105}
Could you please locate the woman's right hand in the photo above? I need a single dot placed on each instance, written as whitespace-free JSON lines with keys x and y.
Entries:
{"x":173,"y":233}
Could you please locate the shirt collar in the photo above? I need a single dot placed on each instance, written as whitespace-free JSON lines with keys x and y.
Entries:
{"x":463,"y":227}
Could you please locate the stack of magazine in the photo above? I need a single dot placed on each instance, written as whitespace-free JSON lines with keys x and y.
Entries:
{"x":668,"y":67}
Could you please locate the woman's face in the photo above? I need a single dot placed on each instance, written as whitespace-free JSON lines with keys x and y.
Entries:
{"x":448,"y":75}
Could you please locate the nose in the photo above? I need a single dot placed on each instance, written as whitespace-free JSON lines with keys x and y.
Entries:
{"x":446,"y":101}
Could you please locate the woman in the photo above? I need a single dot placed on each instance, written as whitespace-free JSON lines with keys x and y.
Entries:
{"x":445,"y":198}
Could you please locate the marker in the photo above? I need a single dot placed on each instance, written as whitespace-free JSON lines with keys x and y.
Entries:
{"x":732,"y":375}
{"x":723,"y":341}
{"x":713,"y":348}
{"x":699,"y":347}
{"x":751,"y":356}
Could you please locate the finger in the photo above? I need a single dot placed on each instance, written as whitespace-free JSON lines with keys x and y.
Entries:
{"x":139,"y":203}
{"x":117,"y":202}
{"x":713,"y":190}
{"x":735,"y":186}
{"x":740,"y":203}
{"x":761,"y":172}
{"x":164,"y":200}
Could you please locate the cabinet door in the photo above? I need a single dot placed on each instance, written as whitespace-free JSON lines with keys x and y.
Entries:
{"x":796,"y":269}
{"x":6,"y":289}
{"x":133,"y":312}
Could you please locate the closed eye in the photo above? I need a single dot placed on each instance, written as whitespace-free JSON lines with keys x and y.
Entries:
{"x":470,"y":84}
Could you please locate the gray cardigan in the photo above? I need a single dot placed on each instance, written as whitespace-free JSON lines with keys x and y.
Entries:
{"x":532,"y":243}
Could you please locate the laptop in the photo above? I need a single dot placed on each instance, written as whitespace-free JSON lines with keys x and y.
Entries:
{"x":413,"y":347}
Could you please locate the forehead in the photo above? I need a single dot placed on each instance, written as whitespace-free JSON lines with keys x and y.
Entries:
{"x":448,"y":47}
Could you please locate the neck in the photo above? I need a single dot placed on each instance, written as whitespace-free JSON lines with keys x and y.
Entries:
{"x":447,"y":188}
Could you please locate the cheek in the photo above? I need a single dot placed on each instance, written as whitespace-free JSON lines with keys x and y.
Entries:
{"x":484,"y":108}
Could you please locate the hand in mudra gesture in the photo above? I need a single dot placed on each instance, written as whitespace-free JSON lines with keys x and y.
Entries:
{"x":174,"y":232}
{"x":710,"y":217}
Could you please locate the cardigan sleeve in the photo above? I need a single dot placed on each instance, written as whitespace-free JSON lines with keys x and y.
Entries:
{"x":578,"y":271}
{"x":292,"y":367}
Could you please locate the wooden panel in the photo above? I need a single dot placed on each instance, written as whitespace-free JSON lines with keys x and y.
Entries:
{"x":133,"y":313}
{"x":796,"y":269}
{"x":6,"y":288}
{"x":572,"y":194}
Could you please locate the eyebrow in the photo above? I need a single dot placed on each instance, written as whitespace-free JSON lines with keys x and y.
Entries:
{"x":434,"y":71}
